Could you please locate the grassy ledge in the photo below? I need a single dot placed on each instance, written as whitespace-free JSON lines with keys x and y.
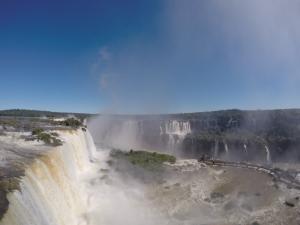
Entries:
{"x":144,"y":159}
{"x":48,"y":138}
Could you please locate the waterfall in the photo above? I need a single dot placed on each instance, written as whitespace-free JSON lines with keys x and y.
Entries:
{"x":139,"y":133}
{"x":268,"y":154}
{"x":216,"y":149}
{"x":51,"y":192}
{"x":176,"y":132}
{"x":172,"y":143}
{"x":92,"y":151}
{"x":180,"y":128}
{"x":116,"y":132}
{"x":245,"y":149}
{"x":226,"y":148}
{"x":161,"y":131}
{"x":72,"y":185}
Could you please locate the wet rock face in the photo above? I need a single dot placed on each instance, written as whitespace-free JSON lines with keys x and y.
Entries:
{"x":255,"y":223}
{"x":217,"y":197}
{"x":289,"y":203}
{"x":262,"y":136}
{"x":292,"y":202}
{"x":229,"y":206}
{"x":3,"y":203}
{"x":245,"y":135}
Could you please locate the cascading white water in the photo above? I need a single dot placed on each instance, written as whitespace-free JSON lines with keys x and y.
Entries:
{"x":176,"y":131}
{"x":73,"y":185}
{"x":179,"y":128}
{"x":216,"y":149}
{"x":51,"y":192}
{"x":172,"y":143}
{"x":69,"y":186}
{"x":226,"y":148}
{"x":268,"y":154}
{"x":245,"y":149}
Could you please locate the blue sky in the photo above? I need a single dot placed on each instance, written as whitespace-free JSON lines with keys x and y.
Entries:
{"x":141,"y":56}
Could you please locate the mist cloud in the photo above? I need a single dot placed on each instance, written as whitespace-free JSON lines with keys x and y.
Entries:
{"x":252,"y":43}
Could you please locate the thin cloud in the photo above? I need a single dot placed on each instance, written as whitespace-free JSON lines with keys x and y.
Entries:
{"x":104,"y":83}
{"x":104,"y":54}
{"x":258,"y":36}
{"x":207,"y":47}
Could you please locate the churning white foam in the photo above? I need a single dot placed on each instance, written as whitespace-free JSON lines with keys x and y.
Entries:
{"x":71,"y":185}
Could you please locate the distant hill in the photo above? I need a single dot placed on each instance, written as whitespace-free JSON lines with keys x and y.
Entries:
{"x":39,"y":113}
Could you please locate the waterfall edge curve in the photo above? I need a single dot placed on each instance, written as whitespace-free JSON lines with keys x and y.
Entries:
{"x":50,"y":192}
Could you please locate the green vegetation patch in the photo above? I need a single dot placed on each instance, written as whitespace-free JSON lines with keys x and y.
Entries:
{"x":37,"y":131}
{"x":71,"y":122}
{"x":47,"y":138}
{"x":145,"y":159}
{"x":9,"y":122}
